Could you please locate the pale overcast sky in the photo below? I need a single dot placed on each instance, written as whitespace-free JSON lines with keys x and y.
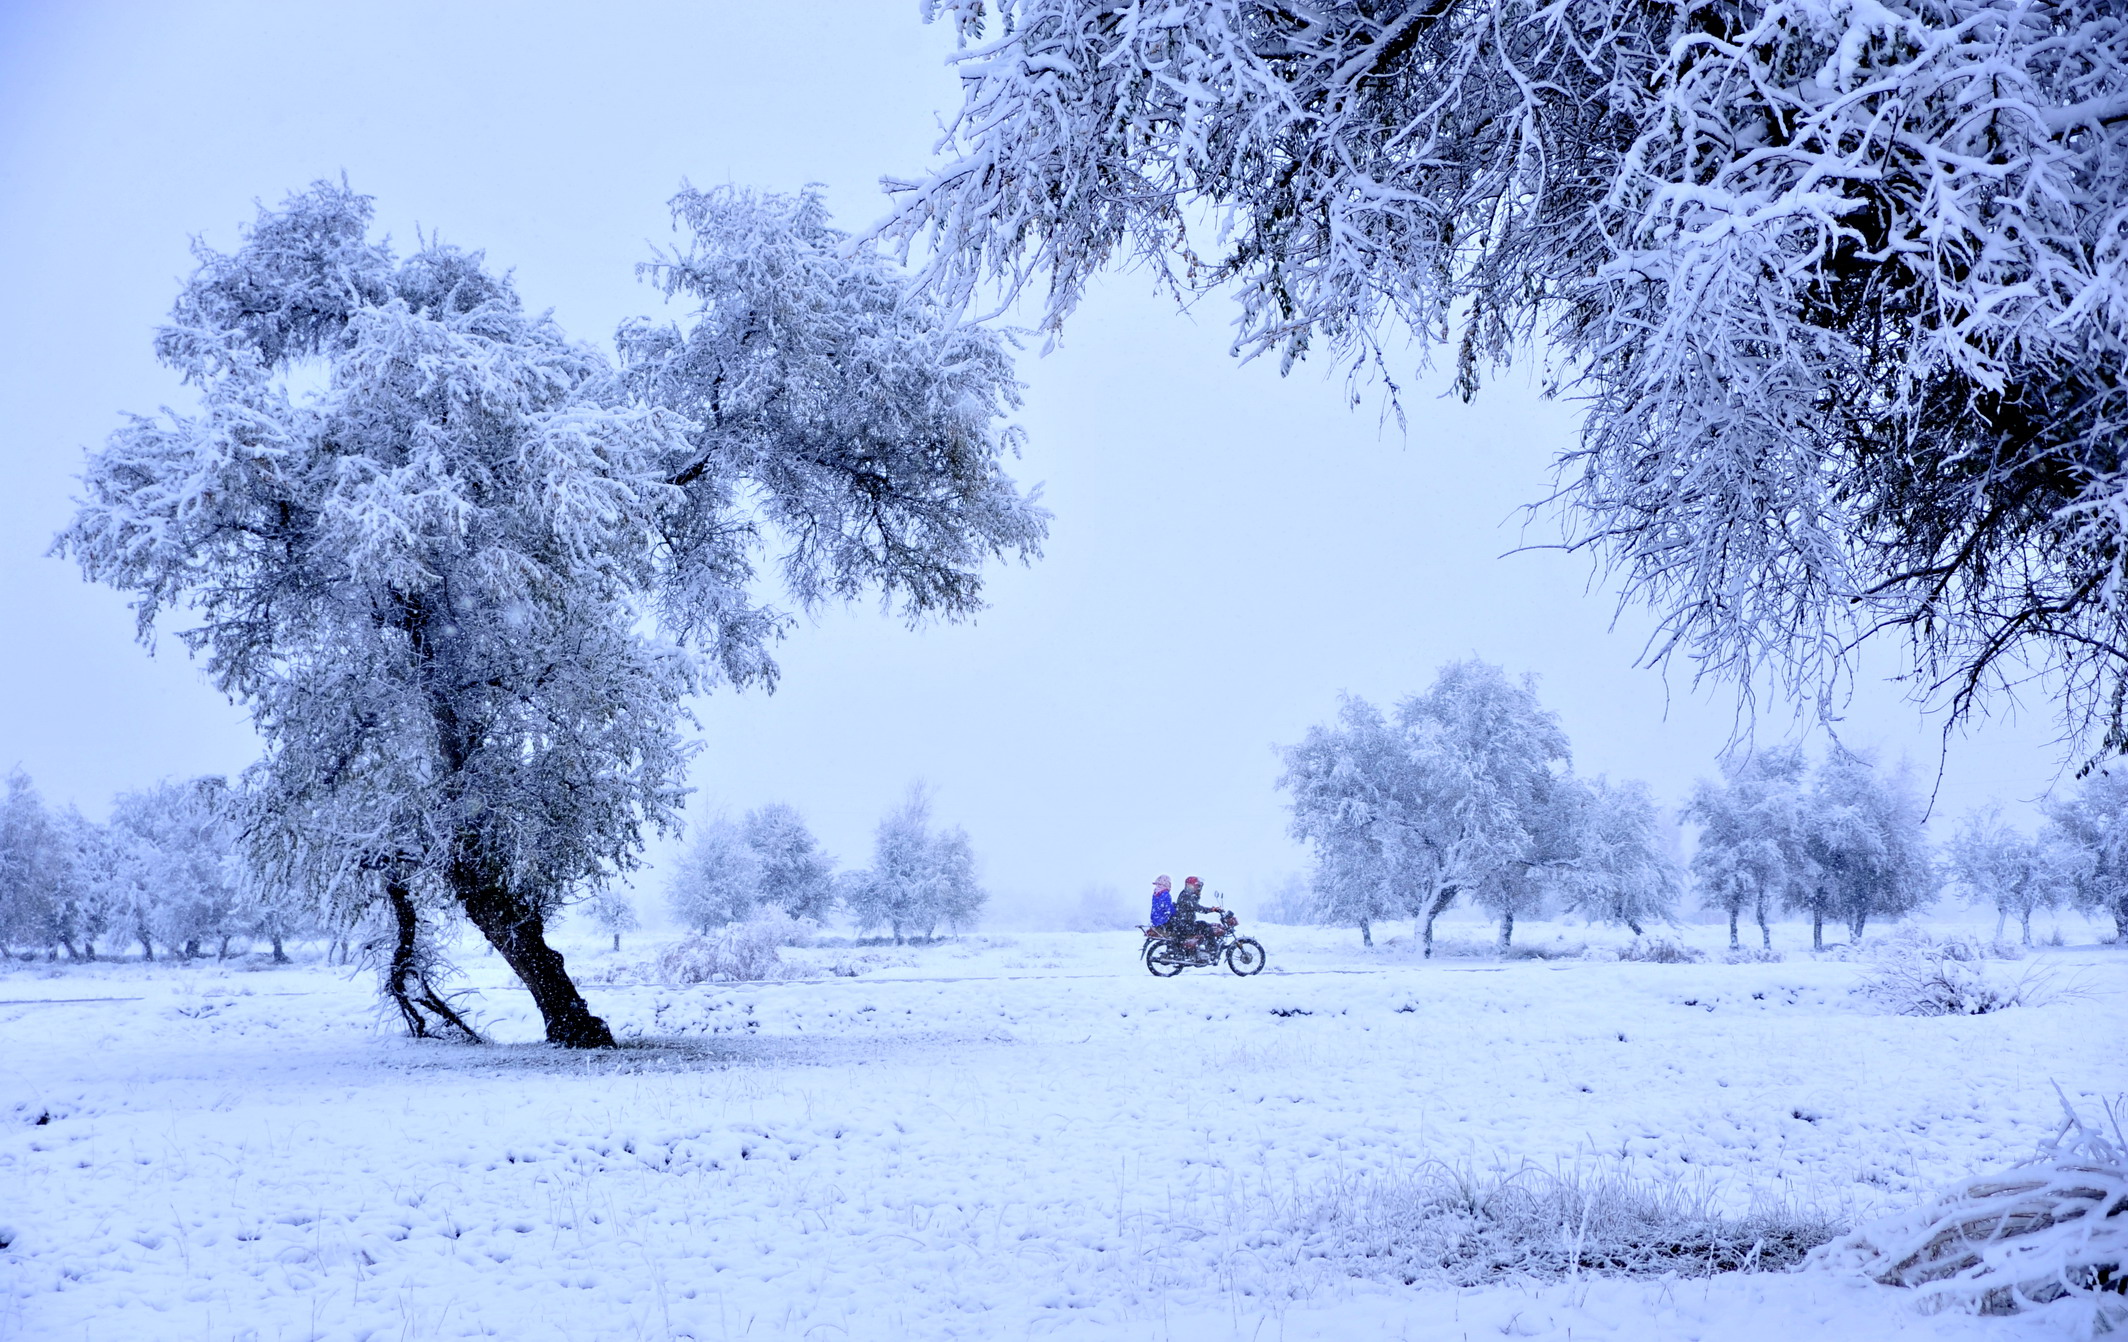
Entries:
{"x":1230,"y":550}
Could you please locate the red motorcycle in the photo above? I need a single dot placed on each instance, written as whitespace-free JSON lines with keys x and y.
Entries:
{"x":1167,"y":955}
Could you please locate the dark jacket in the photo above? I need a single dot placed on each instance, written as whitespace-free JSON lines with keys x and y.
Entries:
{"x":1188,"y":905}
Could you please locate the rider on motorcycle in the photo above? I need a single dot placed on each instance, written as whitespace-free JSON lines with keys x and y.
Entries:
{"x":1183,"y":922}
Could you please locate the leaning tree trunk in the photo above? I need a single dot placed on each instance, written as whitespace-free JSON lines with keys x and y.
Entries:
{"x":406,"y":978}
{"x":1434,"y":910}
{"x":1765,"y":932}
{"x":517,"y":931}
{"x":1855,"y":924}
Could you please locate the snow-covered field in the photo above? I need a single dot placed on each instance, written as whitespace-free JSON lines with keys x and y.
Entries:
{"x":999,"y":1137}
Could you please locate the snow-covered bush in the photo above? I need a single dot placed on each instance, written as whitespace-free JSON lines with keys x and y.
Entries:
{"x":1751,"y":955}
{"x":2050,"y":1232}
{"x":1915,"y":974}
{"x":1539,"y":950}
{"x":736,"y":952}
{"x":1452,"y":1225}
{"x":1660,"y":951}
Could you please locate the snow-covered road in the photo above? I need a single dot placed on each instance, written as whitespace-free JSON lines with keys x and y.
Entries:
{"x":1009,"y":1140}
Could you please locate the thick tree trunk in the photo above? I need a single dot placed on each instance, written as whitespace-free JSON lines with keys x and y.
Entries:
{"x":147,"y":947}
{"x":2024,"y":922}
{"x":1434,"y":910}
{"x":1817,"y":929}
{"x":280,"y":956}
{"x":1507,"y":930}
{"x":1366,"y":932}
{"x":518,"y":933}
{"x":1734,"y":944}
{"x":1765,"y":932}
{"x":1855,"y":924}
{"x":191,"y":951}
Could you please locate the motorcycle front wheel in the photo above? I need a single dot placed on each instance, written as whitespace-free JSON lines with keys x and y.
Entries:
{"x":1165,"y":959}
{"x":1246,"y":956}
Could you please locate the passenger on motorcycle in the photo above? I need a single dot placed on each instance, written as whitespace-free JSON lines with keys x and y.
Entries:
{"x":1188,"y":905}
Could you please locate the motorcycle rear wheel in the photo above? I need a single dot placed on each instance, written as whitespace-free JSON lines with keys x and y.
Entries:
{"x":1164,"y":959}
{"x":1246,"y":956}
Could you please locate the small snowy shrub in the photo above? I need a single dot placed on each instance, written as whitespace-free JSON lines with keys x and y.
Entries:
{"x":1751,"y":955}
{"x":1660,"y":951}
{"x":1454,"y":1226}
{"x":2052,"y":1231}
{"x":1916,"y":975}
{"x":1541,"y":951}
{"x":739,"y":952}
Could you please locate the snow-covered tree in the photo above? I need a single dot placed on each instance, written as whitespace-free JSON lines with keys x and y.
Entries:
{"x":38,"y":881}
{"x":920,"y":879}
{"x":466,"y":572}
{"x":1991,"y":862}
{"x":1356,"y":793}
{"x":1843,"y":286}
{"x":1621,"y":871}
{"x":1866,"y":846}
{"x":795,"y":876}
{"x":1753,"y":839}
{"x":1461,"y":793}
{"x":2090,"y":826}
{"x":614,"y":912}
{"x":718,"y":880}
{"x":180,"y":843}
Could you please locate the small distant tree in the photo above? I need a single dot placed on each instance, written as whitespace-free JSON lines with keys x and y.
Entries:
{"x":1752,"y":842}
{"x":1866,"y":847}
{"x":180,"y":841}
{"x":920,"y":878}
{"x":719,"y":879}
{"x":2090,"y":825}
{"x":795,"y":875}
{"x":614,"y":911}
{"x":1621,"y":871}
{"x":33,"y":872}
{"x":1990,"y":862}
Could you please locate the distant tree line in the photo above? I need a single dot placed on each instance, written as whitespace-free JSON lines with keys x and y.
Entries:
{"x":1466,"y":792}
{"x":922,"y":876}
{"x":165,"y":874}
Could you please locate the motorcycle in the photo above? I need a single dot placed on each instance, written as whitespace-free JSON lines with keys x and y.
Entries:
{"x":1166,"y":956}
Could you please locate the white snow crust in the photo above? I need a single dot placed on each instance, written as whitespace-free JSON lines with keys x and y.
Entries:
{"x":991,"y":1138}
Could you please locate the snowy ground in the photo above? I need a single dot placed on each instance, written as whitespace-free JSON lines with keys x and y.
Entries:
{"x":1003,"y":1137}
